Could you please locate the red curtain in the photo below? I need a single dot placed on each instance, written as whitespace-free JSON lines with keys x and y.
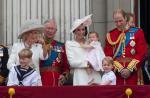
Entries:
{"x":77,"y":92}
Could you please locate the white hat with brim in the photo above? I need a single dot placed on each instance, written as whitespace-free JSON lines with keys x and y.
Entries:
{"x":86,"y":21}
{"x":30,"y":25}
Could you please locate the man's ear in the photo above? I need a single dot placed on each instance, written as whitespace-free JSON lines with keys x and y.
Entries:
{"x":56,"y":30}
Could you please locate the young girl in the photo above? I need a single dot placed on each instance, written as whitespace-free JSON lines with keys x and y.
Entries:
{"x":95,"y":53}
{"x":24,"y":74}
{"x":108,"y":78}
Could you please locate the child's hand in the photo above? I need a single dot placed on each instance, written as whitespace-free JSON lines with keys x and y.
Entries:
{"x":91,"y":82}
{"x":94,"y":84}
{"x":1,"y":79}
{"x":61,"y":80}
{"x":82,"y":45}
{"x":89,"y":70}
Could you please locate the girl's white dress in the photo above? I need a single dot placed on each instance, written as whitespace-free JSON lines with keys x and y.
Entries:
{"x":95,"y":55}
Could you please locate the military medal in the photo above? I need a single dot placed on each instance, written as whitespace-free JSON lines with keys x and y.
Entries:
{"x":131,"y":35}
{"x":59,"y":49}
{"x":132,"y":43}
{"x":132,"y":51}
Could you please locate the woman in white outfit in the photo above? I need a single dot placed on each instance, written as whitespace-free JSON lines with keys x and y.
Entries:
{"x":28,"y":34}
{"x":77,"y":55}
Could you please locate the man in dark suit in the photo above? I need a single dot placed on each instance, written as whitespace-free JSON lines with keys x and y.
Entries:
{"x":3,"y":65}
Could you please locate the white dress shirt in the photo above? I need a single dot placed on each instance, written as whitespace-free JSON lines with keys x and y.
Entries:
{"x":110,"y":76}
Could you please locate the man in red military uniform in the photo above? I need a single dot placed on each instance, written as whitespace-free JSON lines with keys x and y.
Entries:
{"x":54,"y":70}
{"x":127,"y":46}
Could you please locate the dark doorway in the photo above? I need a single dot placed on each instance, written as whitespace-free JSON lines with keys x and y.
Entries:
{"x":145,"y":25}
{"x":145,"y":18}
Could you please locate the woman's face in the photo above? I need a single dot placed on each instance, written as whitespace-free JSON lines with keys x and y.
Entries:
{"x":30,"y":37}
{"x":80,"y":32}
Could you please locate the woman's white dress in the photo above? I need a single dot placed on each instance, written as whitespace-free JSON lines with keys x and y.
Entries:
{"x":76,"y":56}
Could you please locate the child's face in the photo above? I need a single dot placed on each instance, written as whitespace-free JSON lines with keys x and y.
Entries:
{"x":107,"y":67}
{"x":131,"y":22}
{"x":93,"y":37}
{"x":24,"y":61}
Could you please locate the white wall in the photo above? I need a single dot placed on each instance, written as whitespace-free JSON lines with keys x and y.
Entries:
{"x":102,"y":15}
{"x":16,"y":12}
{"x":99,"y":10}
{"x":113,"y":5}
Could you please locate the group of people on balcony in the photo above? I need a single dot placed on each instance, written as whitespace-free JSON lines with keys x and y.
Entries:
{"x":40,"y":60}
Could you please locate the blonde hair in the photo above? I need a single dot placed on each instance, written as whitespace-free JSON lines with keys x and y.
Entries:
{"x":130,"y":16}
{"x":119,"y":11}
{"x":25,"y":36}
{"x":94,"y":32}
{"x":25,"y":53}
{"x":109,"y":60}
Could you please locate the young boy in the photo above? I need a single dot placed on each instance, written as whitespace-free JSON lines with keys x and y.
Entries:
{"x":130,"y":19}
{"x":95,"y":53}
{"x":109,"y":77}
{"x":24,"y":74}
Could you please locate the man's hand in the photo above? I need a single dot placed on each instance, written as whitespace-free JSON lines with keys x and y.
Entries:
{"x":61,"y":80}
{"x":1,"y":79}
{"x":125,"y":73}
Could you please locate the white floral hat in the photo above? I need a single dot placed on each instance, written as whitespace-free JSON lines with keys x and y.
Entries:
{"x":29,"y":26}
{"x":85,"y":21}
